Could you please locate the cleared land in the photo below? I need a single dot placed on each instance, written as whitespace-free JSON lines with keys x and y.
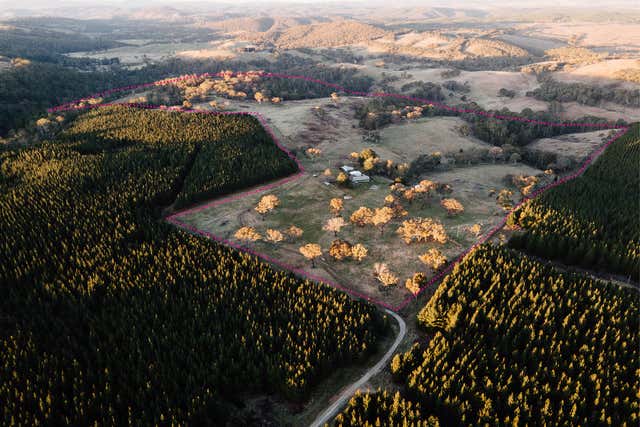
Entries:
{"x":305,"y":202}
{"x":575,"y":146}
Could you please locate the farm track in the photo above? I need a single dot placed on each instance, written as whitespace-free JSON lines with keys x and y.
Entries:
{"x":334,"y":407}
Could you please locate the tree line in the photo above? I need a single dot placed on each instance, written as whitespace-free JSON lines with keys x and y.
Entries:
{"x":582,"y":93}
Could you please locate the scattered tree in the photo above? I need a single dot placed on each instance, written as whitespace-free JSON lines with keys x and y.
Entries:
{"x":362,"y":216}
{"x":415,"y":283}
{"x":273,"y":236}
{"x":294,"y":232}
{"x":359,"y":252}
{"x":381,"y":217}
{"x":384,"y":275}
{"x":334,"y":225}
{"x":340,"y":249}
{"x":313,"y":152}
{"x":452,"y":206}
{"x":342,"y":178}
{"x":475,"y":229}
{"x":311,"y":251}
{"x":336,"y":205}
{"x":433,"y":258}
{"x":247,"y":235}
{"x":267,"y":204}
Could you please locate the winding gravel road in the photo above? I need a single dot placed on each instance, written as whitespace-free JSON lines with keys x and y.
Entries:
{"x":346,"y":394}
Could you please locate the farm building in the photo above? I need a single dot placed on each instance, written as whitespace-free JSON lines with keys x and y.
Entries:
{"x":357,"y":177}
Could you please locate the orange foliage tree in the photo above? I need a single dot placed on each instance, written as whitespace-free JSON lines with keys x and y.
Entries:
{"x":267,"y":204}
{"x":311,"y":251}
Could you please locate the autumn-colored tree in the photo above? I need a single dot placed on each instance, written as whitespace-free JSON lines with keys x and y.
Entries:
{"x":422,"y":230}
{"x":273,"y":236}
{"x":504,"y":199}
{"x":334,"y":225}
{"x":259,"y":97}
{"x":389,"y":200}
{"x":369,"y":163}
{"x":340,"y":249}
{"x":381,"y":217}
{"x":424,"y":189}
{"x":414,"y":283}
{"x":336,"y":205}
{"x":276,"y":100}
{"x":327,"y":172}
{"x":397,"y":188}
{"x":362,"y":216}
{"x":313,"y":152}
{"x":433,"y":258}
{"x":311,"y":251}
{"x":247,"y":235}
{"x":294,"y":232}
{"x":359,"y":252}
{"x":452,"y":206}
{"x":384,"y":275}
{"x":475,"y":229}
{"x":267,"y":204}
{"x":335,"y":97}
{"x":186,"y":104}
{"x":409,"y":195}
{"x":342,"y":178}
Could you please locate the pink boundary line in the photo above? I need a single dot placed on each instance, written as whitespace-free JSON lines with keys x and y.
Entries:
{"x":173,"y":219}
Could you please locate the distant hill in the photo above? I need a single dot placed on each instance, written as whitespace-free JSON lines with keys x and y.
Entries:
{"x":327,"y":34}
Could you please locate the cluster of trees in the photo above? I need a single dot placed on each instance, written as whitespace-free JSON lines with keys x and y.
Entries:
{"x":369,"y":161}
{"x":593,"y":220}
{"x":109,"y":314}
{"x":382,"y":408}
{"x":26,"y":92}
{"x":517,"y":133}
{"x":516,"y":341}
{"x":551,"y":90}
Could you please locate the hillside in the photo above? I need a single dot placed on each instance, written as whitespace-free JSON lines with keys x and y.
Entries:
{"x":328,"y":34}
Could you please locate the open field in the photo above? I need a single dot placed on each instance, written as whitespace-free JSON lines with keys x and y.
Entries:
{"x":305,"y":202}
{"x":425,"y":136}
{"x":575,"y":146}
{"x":601,"y":73}
{"x":537,"y":45}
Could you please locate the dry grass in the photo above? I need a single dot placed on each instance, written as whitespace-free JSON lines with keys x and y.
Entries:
{"x":575,"y":146}
{"x":305,"y":202}
{"x":425,"y":136}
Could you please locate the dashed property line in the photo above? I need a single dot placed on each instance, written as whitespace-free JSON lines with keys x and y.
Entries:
{"x":174,"y":218}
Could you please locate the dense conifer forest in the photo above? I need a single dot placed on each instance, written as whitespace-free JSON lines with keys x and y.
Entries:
{"x":591,"y":221}
{"x":515,"y":341}
{"x":109,"y":315}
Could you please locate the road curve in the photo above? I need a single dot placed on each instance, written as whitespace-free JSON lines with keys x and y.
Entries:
{"x":326,"y":415}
